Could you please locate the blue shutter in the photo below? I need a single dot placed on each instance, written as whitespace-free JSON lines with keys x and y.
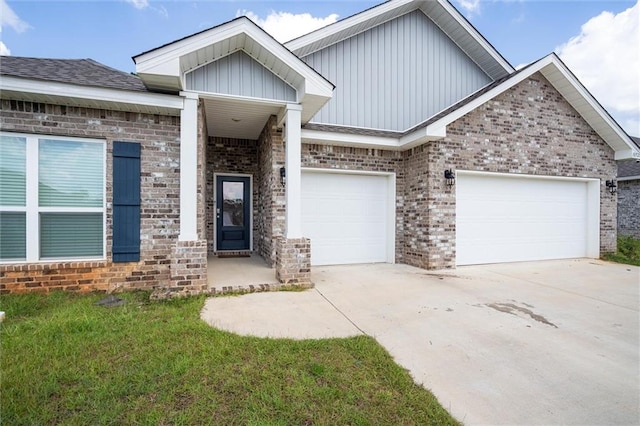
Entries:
{"x":126,"y":202}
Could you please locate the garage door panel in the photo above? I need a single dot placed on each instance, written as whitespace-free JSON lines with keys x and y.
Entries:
{"x":345,"y":216}
{"x":508,"y":219}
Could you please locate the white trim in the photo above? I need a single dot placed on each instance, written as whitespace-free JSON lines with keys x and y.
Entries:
{"x":593,"y":201}
{"x":293,"y":155}
{"x":101,"y":94}
{"x":391,"y":212}
{"x":189,"y":168}
{"x":236,"y":98}
{"x":165,"y":60}
{"x":627,"y":178}
{"x":32,"y":208}
{"x":215,"y":206}
{"x":527,"y":176}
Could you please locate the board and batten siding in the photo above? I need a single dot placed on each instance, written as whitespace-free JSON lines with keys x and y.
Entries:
{"x":395,"y":75}
{"x":240,"y":75}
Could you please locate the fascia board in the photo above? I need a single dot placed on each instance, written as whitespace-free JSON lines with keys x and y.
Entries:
{"x":345,"y":24}
{"x":351,"y":140}
{"x":627,"y":154}
{"x":91,"y":93}
{"x":627,"y":178}
{"x":477,"y":37}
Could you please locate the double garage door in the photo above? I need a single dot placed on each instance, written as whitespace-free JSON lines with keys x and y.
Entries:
{"x":347,"y":217}
{"x":509,"y":218}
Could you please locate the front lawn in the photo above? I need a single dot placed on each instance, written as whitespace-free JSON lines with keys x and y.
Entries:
{"x":628,"y":251}
{"x":67,"y":361}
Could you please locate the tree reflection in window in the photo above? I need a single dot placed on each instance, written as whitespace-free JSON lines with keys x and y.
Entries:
{"x":233,"y":204}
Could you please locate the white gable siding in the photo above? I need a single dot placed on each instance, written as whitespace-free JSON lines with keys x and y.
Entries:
{"x":395,"y":75}
{"x":241,"y":75}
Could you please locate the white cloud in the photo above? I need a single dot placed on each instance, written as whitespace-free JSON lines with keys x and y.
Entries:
{"x":9,"y":18}
{"x":469,"y":6}
{"x":606,"y":59}
{"x":284,"y":26}
{"x":139,"y":4}
{"x":4,"y":50}
{"x":144,"y":4}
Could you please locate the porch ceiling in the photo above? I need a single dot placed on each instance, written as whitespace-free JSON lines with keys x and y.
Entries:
{"x":231,"y":118}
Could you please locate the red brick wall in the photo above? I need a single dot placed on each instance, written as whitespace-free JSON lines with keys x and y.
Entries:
{"x":159,"y":139}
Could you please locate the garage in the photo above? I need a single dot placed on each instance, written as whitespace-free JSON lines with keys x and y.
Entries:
{"x":349,"y":217}
{"x":511,"y":218}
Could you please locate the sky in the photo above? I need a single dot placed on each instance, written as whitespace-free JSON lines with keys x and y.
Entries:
{"x":598,"y":40}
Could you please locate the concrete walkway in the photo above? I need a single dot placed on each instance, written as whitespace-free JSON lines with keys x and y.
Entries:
{"x":552,"y":342}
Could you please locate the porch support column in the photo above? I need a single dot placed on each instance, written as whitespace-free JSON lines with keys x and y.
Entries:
{"x":189,"y":168}
{"x":293,"y":225}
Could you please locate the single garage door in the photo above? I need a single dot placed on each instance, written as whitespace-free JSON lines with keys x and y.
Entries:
{"x":346,"y":216}
{"x":506,"y":218}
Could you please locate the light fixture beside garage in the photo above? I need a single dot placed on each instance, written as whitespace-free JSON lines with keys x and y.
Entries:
{"x":449,"y":177}
{"x":283,"y":176}
{"x":611,"y":186}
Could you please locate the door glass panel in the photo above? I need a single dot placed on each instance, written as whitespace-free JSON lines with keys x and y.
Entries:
{"x":233,"y":203}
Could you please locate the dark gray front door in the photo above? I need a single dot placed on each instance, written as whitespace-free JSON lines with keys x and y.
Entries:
{"x":233,"y":213}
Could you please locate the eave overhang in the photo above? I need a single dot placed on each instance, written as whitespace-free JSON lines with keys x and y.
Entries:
{"x":23,"y":89}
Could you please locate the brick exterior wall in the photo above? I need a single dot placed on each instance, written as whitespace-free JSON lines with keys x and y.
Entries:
{"x":269,"y":216}
{"x":629,"y":208}
{"x":363,"y":159}
{"x":293,"y":264}
{"x":158,"y":136}
{"x":529,"y":129}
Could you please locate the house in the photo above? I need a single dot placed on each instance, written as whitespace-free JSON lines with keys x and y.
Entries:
{"x":395,"y":135}
{"x":629,"y":196}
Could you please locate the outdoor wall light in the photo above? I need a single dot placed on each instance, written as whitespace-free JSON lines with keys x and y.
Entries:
{"x":283,"y":176}
{"x":611,"y":186}
{"x":449,"y":177}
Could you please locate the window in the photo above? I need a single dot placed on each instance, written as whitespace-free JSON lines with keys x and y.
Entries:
{"x":51,"y":198}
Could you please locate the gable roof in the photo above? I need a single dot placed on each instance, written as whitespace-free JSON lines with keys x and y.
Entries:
{"x":551,"y":67}
{"x":441,"y":12}
{"x":628,"y":169}
{"x":85,"y":72}
{"x":165,"y":67}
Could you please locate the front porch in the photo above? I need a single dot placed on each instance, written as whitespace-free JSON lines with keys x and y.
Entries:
{"x":250,"y":272}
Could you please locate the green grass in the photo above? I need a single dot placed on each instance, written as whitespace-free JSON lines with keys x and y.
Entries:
{"x":66,"y":361}
{"x":628,"y":251}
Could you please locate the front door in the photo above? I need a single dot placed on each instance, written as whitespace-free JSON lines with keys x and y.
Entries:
{"x":233,"y":213}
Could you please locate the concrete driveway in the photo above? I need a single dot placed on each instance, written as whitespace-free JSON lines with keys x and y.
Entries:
{"x":554,"y":342}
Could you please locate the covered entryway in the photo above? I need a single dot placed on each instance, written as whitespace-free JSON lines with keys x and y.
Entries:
{"x":511,"y":218}
{"x":349,"y":217}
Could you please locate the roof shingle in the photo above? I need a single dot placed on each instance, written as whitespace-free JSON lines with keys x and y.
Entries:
{"x":84,"y":72}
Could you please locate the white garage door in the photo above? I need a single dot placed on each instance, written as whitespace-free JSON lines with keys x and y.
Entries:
{"x":346,"y":216}
{"x":508,"y":219}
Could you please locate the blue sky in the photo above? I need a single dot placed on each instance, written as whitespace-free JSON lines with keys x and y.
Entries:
{"x":599,"y":40}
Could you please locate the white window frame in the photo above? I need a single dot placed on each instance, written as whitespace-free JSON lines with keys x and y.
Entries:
{"x":32,"y":208}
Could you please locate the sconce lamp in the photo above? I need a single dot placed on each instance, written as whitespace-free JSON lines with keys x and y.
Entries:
{"x":449,"y":177}
{"x":611,"y":186}
{"x":283,"y":176}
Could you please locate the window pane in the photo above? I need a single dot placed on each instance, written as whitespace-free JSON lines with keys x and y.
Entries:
{"x":13,"y":231}
{"x":71,"y":174}
{"x":70,"y":235}
{"x":233,"y":203}
{"x":13,"y":168}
